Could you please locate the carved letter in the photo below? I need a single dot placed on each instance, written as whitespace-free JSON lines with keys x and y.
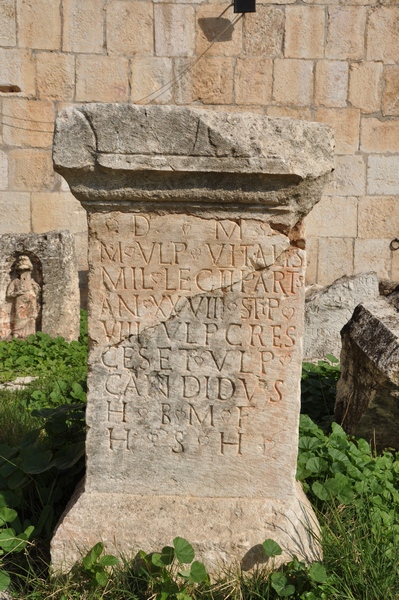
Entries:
{"x":226,"y":388}
{"x":224,"y":443}
{"x":114,"y":439}
{"x":191,"y":386}
{"x":165,"y":419}
{"x":194,"y":413}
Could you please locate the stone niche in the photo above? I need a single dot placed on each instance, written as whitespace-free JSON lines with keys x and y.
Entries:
{"x":39,"y":288}
{"x":196,"y":309}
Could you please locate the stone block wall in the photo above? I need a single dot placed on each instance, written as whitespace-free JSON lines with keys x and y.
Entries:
{"x":325,"y":60}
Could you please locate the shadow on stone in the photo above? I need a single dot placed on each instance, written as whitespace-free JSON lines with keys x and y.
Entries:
{"x":255,"y":556}
{"x":216,"y":27}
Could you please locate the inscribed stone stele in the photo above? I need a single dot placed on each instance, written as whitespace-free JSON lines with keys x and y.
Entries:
{"x":196,"y":301}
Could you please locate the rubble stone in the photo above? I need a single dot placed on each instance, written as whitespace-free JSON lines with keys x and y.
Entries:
{"x":329,"y":308}
{"x":368,"y":390}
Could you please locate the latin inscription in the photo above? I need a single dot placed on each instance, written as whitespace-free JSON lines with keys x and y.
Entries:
{"x":198,"y":326}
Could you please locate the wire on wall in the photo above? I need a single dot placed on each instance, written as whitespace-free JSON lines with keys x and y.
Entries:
{"x":164,"y":88}
{"x":144,"y":100}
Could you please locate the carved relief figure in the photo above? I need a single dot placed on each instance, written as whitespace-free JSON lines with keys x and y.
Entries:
{"x":24,"y":293}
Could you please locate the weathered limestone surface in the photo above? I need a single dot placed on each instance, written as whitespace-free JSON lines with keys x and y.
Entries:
{"x":368,"y":390}
{"x":39,"y":289}
{"x":328,"y":309}
{"x":196,"y":299}
{"x":155,"y":154}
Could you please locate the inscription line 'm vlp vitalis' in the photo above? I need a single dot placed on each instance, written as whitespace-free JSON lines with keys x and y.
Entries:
{"x":196,"y":299}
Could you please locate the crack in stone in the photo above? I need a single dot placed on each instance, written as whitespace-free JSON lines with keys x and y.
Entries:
{"x":88,"y":118}
{"x":214,"y":293}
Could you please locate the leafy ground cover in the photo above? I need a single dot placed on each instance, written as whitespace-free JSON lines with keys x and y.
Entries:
{"x":318,"y":390}
{"x":42,"y":356}
{"x":354,"y":491}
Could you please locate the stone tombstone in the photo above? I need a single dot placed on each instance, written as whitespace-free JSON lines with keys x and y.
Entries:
{"x":39,"y":288}
{"x":367,"y":403}
{"x":327,"y":309}
{"x":196,"y":301}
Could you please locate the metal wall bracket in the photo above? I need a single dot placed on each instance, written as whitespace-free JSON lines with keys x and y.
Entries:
{"x":244,"y":6}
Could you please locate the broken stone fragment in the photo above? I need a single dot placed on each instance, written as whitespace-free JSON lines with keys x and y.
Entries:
{"x":327,"y":309}
{"x":367,"y":403}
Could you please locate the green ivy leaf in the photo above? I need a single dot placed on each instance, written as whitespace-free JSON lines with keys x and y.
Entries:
{"x":7,"y":515}
{"x":28,"y":532}
{"x":320,"y":491}
{"x":16,"y":479}
{"x":7,"y":468}
{"x":108,"y":560}
{"x":317,"y":465}
{"x":35,"y":461}
{"x":96,"y":551}
{"x":185,"y":573}
{"x":279,"y":583}
{"x":336,"y":484}
{"x":301,"y":473}
{"x":318,"y":573}
{"x":198,"y":572}
{"x":10,"y":542}
{"x":363,"y":446}
{"x":333,"y":359}
{"x":337,"y":430}
{"x":69,"y":456}
{"x":102,"y":578}
{"x":308,"y":443}
{"x":4,"y":580}
{"x":163,"y":559}
{"x":271,"y":548}
{"x":337,"y":455}
{"x":6,"y":452}
{"x":87,"y":562}
{"x":304,"y":455}
{"x":92,"y":556}
{"x":184,"y":551}
{"x":346,"y":496}
{"x":9,"y":499}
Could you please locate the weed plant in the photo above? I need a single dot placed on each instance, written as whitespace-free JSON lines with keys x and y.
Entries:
{"x":318,"y":390}
{"x":60,"y":369}
{"x":16,"y":421}
{"x":45,"y":357}
{"x":354,"y":491}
